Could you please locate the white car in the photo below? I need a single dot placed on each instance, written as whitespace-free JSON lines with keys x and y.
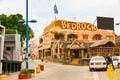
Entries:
{"x":97,"y":62}
{"x":116,"y":61}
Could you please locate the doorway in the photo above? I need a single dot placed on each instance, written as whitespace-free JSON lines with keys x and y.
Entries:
{"x":76,"y":53}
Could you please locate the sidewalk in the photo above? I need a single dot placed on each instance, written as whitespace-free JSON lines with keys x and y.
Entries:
{"x":32,"y":64}
{"x":13,"y":76}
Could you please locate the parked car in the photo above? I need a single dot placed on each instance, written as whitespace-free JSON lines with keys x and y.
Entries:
{"x":97,"y":62}
{"x":116,"y":61}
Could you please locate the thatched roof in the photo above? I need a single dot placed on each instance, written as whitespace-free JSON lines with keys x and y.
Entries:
{"x":102,"y":42}
{"x":74,"y":46}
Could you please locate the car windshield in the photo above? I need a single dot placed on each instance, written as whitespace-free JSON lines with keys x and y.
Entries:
{"x":115,"y":58}
{"x":97,"y":58}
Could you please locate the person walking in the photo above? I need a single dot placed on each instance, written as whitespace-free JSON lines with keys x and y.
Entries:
{"x":23,"y":57}
{"x":109,"y":60}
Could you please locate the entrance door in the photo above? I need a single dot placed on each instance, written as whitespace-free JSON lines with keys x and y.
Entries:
{"x":76,"y":53}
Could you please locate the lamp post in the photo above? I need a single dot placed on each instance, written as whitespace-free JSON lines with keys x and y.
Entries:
{"x":22,"y":21}
{"x":117,"y":23}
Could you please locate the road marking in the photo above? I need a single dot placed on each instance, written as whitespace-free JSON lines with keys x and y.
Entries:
{"x":95,"y":76}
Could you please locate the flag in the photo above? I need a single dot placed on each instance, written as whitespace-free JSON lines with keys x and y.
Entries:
{"x":55,"y":9}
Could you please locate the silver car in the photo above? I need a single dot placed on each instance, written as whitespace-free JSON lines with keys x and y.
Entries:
{"x":97,"y":62}
{"x":116,"y":61}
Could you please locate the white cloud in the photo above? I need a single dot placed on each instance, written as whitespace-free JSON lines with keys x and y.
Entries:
{"x":12,"y":6}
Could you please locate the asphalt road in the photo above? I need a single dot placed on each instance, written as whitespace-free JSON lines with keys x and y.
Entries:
{"x":56,"y":71}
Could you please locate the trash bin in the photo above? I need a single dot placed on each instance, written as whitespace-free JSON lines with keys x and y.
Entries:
{"x":41,"y":67}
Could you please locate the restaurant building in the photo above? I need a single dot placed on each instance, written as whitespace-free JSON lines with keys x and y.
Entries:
{"x":75,"y":40}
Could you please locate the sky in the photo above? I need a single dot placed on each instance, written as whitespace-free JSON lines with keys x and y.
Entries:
{"x":71,"y":10}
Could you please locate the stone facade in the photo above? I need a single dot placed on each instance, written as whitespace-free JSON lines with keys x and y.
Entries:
{"x":86,"y":32}
{"x":63,"y":38}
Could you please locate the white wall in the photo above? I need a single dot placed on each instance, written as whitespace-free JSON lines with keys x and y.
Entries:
{"x":1,"y":45}
{"x":16,"y":53}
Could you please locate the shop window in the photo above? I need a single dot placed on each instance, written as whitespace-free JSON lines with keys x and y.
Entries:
{"x":72,"y":37}
{"x":97,"y":37}
{"x":85,"y":37}
{"x":59,"y":36}
{"x":41,"y":40}
{"x":8,"y":48}
{"x":56,"y":50}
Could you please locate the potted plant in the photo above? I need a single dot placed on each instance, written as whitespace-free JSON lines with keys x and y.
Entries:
{"x":24,"y":74}
{"x":32,"y":71}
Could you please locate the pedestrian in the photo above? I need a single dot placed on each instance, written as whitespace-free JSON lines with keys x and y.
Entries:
{"x":41,"y":59}
{"x":23,"y":57}
{"x":109,"y":60}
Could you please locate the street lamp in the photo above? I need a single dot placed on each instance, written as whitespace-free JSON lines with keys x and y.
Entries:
{"x":117,"y":23}
{"x":31,"y":21}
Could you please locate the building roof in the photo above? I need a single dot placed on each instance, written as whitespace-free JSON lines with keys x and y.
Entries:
{"x":45,"y":46}
{"x":75,"y":46}
{"x":102,"y":42}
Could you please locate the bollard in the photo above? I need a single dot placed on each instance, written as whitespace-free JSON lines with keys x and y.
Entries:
{"x":3,"y":77}
{"x":46,"y":60}
{"x":116,"y":74}
{"x":109,"y":71}
{"x":32,"y":56}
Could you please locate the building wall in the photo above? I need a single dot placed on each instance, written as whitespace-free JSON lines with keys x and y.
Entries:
{"x":77,"y":28}
{"x":12,"y":47}
{"x":17,"y":56}
{"x":83,"y":32}
{"x":2,"y":33}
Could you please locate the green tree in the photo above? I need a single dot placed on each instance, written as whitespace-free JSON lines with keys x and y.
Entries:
{"x":11,"y":22}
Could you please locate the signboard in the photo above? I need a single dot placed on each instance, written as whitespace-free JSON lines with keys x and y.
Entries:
{"x":75,"y":25}
{"x":105,"y":23}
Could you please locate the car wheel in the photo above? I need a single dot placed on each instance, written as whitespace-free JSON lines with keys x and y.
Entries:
{"x":104,"y":69}
{"x":118,"y":65}
{"x":90,"y":69}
